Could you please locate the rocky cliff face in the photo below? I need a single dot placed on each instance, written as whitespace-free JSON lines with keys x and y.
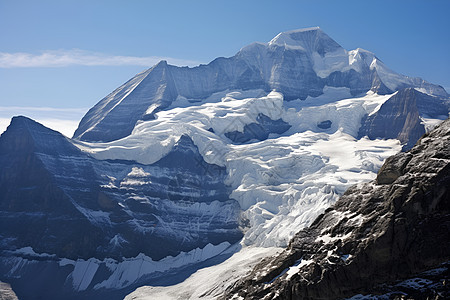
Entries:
{"x":44,"y":179}
{"x":401,"y":117}
{"x":380,"y":232}
{"x":199,"y":159}
{"x":32,"y":203}
{"x":62,"y":210}
{"x":297,"y":63}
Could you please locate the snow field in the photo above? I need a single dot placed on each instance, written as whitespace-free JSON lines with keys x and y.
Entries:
{"x":281,"y":183}
{"x":208,"y":283}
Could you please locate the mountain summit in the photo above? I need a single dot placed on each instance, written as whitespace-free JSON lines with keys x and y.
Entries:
{"x":309,"y":39}
{"x":298,"y":64}
{"x":217,"y":165}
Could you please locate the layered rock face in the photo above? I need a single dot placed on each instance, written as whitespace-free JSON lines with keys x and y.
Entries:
{"x":380,"y":232}
{"x":32,"y":204}
{"x":181,"y":165}
{"x":77,"y":222}
{"x":401,"y":117}
{"x":110,"y":208}
{"x":297,"y":63}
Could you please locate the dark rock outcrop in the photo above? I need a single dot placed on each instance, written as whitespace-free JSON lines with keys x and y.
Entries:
{"x":259,"y":130}
{"x":378,"y":233}
{"x":431,"y":284}
{"x":58,"y":200}
{"x":325,"y":124}
{"x":399,"y":117}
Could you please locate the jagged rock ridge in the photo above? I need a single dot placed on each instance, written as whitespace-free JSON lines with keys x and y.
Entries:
{"x":62,"y":210}
{"x":297,"y":63}
{"x":401,"y":117}
{"x":379,"y":232}
{"x":175,"y":191}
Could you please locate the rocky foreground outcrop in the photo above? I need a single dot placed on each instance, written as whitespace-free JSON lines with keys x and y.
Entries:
{"x":378,"y":234}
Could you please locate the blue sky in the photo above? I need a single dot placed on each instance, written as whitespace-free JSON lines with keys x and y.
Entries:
{"x":70,"y":54}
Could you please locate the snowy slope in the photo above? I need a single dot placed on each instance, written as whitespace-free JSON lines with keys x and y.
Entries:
{"x":297,"y":63}
{"x":210,"y":282}
{"x":182,"y":168}
{"x":281,"y":183}
{"x":284,"y":182}
{"x":378,"y":234}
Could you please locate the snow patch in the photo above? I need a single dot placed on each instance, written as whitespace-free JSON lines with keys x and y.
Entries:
{"x":129,"y":270}
{"x":431,"y":123}
{"x":83,"y":273}
{"x":296,"y":268}
{"x":326,"y":64}
{"x":330,"y":239}
{"x":28,"y":251}
{"x":208,"y":283}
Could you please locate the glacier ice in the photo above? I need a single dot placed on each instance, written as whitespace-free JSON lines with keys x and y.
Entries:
{"x":246,"y":150}
{"x":298,"y":64}
{"x":283,"y":182}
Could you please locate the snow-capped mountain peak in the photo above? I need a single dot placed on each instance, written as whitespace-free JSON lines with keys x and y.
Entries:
{"x":298,"y":64}
{"x":177,"y":164}
{"x":310,"y":40}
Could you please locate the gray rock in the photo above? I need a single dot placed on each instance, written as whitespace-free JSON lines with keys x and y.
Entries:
{"x":259,"y":130}
{"x":6,"y":292}
{"x":58,"y":200}
{"x":377,"y":235}
{"x":393,"y":168}
{"x":400,"y":117}
{"x":287,"y":64}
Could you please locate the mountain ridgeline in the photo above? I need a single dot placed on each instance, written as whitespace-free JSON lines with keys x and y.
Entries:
{"x":298,"y":64}
{"x":179,"y":168}
{"x":58,"y":200}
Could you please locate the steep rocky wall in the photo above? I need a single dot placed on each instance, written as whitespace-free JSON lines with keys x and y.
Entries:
{"x":379,"y":232}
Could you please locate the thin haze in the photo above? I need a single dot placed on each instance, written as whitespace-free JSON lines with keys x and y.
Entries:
{"x":76,"y":57}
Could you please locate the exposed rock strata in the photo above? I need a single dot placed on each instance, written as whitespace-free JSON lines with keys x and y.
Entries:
{"x":400,"y":117}
{"x":378,"y":233}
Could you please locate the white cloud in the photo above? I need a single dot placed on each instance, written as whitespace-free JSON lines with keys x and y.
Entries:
{"x":76,"y":57}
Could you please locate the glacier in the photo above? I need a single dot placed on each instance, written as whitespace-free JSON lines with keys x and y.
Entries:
{"x":197,"y":172}
{"x":280,"y":183}
{"x":297,"y":63}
